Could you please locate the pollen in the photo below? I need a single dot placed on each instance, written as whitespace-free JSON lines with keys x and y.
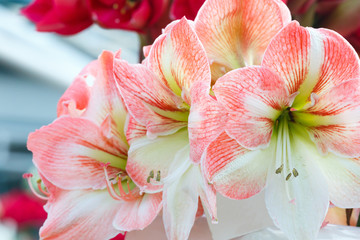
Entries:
{"x":288,"y":177}
{"x":151,"y":175}
{"x":279,"y":169}
{"x":295,"y":172}
{"x":158,"y":177}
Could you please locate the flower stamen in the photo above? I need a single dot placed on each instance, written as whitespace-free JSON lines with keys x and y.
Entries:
{"x":28,"y":177}
{"x":122,"y":195}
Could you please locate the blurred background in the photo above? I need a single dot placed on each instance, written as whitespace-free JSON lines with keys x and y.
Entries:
{"x":35,"y":69}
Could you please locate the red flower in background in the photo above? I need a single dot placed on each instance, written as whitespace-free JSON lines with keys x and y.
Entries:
{"x":339,"y":15}
{"x":187,"y":8}
{"x":127,"y":14}
{"x":62,"y":17}
{"x":70,"y":17}
{"x":22,"y":208}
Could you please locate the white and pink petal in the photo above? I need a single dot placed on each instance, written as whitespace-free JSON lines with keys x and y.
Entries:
{"x":69,"y":151}
{"x":235,"y":34}
{"x":179,"y":60}
{"x":236,"y":172}
{"x":139,"y":213}
{"x":78,"y":214}
{"x":311,"y":60}
{"x":334,"y":120}
{"x":253,"y":97}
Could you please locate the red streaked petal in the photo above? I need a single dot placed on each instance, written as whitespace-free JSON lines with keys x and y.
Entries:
{"x":179,"y":60}
{"x":77,"y":214}
{"x":236,"y":172}
{"x":291,"y":56}
{"x":150,"y":102}
{"x":106,"y":101}
{"x":68,"y":153}
{"x":311,"y":60}
{"x":334,"y":120}
{"x":207,"y":120}
{"x":235,"y":34}
{"x":253,"y":97}
{"x":142,"y":83}
{"x":341,"y":62}
{"x":138,"y":214}
{"x":134,"y":130}
{"x":75,"y":99}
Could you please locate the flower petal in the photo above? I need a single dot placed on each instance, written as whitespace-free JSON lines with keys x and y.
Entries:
{"x":138,"y":214}
{"x":235,"y":34}
{"x":236,"y":172}
{"x":207,"y":194}
{"x":68,"y":153}
{"x":206,"y":121}
{"x":106,"y":100}
{"x":253,"y":97}
{"x":179,"y":60}
{"x":149,"y":101}
{"x":180,"y":204}
{"x":297,"y":204}
{"x":311,"y":60}
{"x":76,"y":97}
{"x":153,"y":155}
{"x":334,"y":120}
{"x":77,"y":214}
{"x":342,"y":175}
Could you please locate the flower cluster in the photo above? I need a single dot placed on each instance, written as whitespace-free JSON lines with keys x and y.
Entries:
{"x":238,"y":101}
{"x":70,"y":17}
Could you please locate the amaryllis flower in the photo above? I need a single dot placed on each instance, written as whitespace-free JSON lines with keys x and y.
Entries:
{"x":63,"y":17}
{"x":237,"y":33}
{"x":158,"y":96}
{"x":293,"y":128}
{"x":82,"y":157}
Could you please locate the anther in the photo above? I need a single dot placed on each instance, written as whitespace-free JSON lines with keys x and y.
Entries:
{"x":295,"y":172}
{"x":158,"y":177}
{"x":115,"y":6}
{"x":151,"y":175}
{"x":279,"y":169}
{"x":288,"y":176}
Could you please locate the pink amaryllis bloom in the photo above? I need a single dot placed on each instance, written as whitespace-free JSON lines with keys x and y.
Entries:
{"x":293,"y":128}
{"x":158,"y":96}
{"x":82,"y":155}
